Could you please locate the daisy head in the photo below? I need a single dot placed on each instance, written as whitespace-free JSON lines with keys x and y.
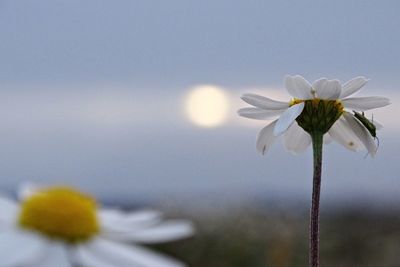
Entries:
{"x":323,"y":107}
{"x":61,"y":226}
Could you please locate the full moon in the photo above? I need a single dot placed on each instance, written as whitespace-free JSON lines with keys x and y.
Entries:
{"x":207,"y":106}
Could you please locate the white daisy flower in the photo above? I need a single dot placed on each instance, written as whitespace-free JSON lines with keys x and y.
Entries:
{"x":60,"y":226}
{"x":323,"y":103}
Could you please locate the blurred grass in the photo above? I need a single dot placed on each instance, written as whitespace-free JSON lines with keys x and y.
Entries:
{"x":253,"y":238}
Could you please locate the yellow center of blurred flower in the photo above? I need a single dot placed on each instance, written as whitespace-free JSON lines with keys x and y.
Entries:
{"x":60,"y":213}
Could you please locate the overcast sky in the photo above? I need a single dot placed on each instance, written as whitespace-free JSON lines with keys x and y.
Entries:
{"x":91,"y":93}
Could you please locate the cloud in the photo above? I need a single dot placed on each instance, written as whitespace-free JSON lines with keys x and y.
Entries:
{"x":104,"y":107}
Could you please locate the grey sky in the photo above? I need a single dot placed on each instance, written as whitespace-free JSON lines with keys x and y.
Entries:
{"x":91,"y":93}
{"x":162,"y":43}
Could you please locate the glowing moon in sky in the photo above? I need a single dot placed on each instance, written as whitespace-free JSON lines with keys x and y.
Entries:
{"x":207,"y":106}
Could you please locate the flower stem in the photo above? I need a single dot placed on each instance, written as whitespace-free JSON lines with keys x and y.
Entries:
{"x":317,"y":141}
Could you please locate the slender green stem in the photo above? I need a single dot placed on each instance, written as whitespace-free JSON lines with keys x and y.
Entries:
{"x":317,"y":141}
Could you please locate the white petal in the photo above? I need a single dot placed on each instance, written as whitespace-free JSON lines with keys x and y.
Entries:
{"x":27,"y":189}
{"x":287,"y":118}
{"x":365,"y":103}
{"x":264,"y":102}
{"x":298,"y":87}
{"x":266,"y":137}
{"x":342,"y":133}
{"x":122,"y":221}
{"x":327,"y":89}
{"x":82,"y":256}
{"x":127,"y":256}
{"x":20,"y":248}
{"x":362,"y":133}
{"x":353,"y":86}
{"x":142,"y":217}
{"x":259,"y":114}
{"x":296,"y":140}
{"x":55,"y":256}
{"x":327,"y":138}
{"x":8,"y":211}
{"x":110,"y":216}
{"x":377,"y":125}
{"x":167,"y":231}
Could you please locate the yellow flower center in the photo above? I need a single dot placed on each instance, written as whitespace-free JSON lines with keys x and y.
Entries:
{"x":60,"y":213}
{"x":318,"y":114}
{"x":295,"y":101}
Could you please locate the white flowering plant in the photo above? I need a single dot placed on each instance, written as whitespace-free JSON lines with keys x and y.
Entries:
{"x":317,"y":113}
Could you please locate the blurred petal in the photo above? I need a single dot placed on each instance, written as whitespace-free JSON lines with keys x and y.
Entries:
{"x":123,"y":255}
{"x":327,"y":89}
{"x":362,"y":133}
{"x":287,"y":118}
{"x":259,"y":114}
{"x":265,"y":138}
{"x":167,"y":231}
{"x":8,"y":211}
{"x":365,"y":103}
{"x":81,"y":256}
{"x":142,"y":217}
{"x":298,"y":87}
{"x":296,"y":140}
{"x":26,"y":190}
{"x":353,"y":86}
{"x":55,"y":256}
{"x":344,"y":135}
{"x":20,"y":248}
{"x":116,"y":219}
{"x":264,"y":102}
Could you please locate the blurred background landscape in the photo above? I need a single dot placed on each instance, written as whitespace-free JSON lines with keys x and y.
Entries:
{"x":104,"y":96}
{"x":259,"y":237}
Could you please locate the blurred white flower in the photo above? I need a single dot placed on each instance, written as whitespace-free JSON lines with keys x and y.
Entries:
{"x":60,"y":226}
{"x":332,"y":98}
